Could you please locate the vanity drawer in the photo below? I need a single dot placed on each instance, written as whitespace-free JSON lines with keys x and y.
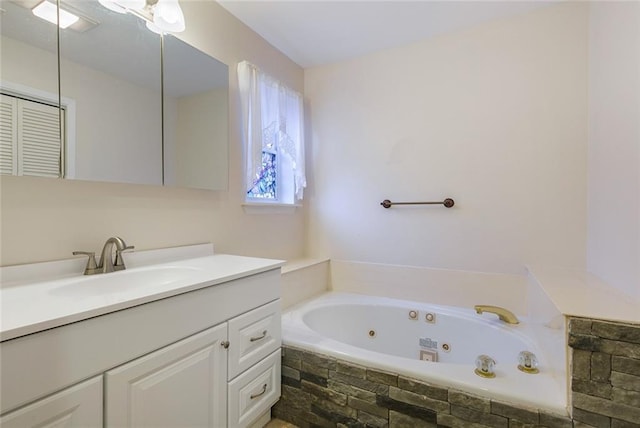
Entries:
{"x":254,"y":391}
{"x":253,"y":336}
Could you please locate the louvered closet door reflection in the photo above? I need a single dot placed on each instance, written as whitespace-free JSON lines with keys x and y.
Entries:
{"x":8,"y":135}
{"x":39,"y":146}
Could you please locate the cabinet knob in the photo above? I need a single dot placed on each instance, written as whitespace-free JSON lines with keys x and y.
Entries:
{"x":225,"y":344}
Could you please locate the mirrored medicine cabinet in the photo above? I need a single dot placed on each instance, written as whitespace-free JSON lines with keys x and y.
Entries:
{"x":108,"y":100}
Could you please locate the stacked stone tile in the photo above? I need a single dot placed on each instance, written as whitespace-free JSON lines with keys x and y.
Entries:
{"x":320,"y":391}
{"x":605,"y":380}
{"x":326,"y":392}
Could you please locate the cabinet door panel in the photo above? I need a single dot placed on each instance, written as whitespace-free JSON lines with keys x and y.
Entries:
{"x":79,"y":406}
{"x":183,"y":385}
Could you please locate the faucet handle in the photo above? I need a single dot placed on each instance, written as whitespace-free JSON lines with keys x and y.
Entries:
{"x":119,"y":263}
{"x":91,"y":267}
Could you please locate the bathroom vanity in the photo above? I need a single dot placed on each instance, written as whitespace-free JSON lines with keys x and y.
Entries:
{"x":198,"y":346}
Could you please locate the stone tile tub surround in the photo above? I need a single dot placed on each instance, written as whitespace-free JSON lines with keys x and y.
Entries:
{"x":605,"y":381}
{"x":318,"y":390}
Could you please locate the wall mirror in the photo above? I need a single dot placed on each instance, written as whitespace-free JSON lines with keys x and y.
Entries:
{"x":116,"y":126}
{"x":29,"y":116}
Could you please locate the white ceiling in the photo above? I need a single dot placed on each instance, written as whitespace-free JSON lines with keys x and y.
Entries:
{"x":313,"y":33}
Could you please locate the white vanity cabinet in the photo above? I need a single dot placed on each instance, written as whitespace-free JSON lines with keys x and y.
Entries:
{"x":186,"y":384}
{"x":207,"y":358}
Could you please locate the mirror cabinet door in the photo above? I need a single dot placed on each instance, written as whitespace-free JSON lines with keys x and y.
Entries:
{"x":105,"y":72}
{"x":30,"y":137}
{"x":195,"y":117}
{"x":110,"y":71}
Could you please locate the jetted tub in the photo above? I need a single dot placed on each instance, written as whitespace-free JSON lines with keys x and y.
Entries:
{"x":381,"y":333}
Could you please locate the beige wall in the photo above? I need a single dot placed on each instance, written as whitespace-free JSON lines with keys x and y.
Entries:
{"x":45,"y":219}
{"x":118,"y":138}
{"x":494,"y":117}
{"x":22,"y":63}
{"x":201,"y":158}
{"x":614,"y":144}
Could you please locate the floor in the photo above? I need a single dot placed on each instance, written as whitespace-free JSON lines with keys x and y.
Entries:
{"x":277,"y":423}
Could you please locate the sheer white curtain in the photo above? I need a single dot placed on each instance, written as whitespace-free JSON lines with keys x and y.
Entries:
{"x":272,"y":119}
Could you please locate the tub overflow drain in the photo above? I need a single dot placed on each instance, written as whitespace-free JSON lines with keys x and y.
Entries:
{"x":372,"y":333}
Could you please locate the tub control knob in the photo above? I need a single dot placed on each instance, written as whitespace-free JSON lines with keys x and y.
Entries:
{"x":528,"y":362}
{"x":484,"y":366}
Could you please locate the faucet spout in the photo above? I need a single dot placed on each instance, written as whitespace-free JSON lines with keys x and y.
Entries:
{"x":502,"y":313}
{"x":106,"y":263}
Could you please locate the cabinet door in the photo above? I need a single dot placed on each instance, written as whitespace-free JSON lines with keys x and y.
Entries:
{"x":181,"y":385}
{"x":78,"y":406}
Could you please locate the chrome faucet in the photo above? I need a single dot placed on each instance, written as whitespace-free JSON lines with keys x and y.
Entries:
{"x":107,"y":262}
{"x":502,"y":313}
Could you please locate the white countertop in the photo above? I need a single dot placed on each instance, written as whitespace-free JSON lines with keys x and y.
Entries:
{"x":28,"y":307}
{"x":581,"y":294}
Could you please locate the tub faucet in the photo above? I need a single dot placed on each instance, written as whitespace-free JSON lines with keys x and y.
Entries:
{"x":107,"y":262}
{"x":502,"y":313}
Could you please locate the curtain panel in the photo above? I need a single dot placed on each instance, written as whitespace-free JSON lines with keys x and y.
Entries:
{"x":272,"y":119}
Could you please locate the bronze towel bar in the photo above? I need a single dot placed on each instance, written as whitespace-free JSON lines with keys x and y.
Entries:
{"x":447,"y":203}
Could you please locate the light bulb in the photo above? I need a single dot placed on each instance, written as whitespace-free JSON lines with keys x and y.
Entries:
{"x":154,"y":28}
{"x":133,"y":4}
{"x":168,"y":16}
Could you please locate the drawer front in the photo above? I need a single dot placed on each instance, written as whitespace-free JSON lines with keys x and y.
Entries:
{"x":253,"y":336}
{"x":254,"y":391}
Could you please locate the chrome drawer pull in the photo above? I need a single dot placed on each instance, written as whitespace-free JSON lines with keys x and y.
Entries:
{"x":264,"y":334}
{"x":264,"y":389}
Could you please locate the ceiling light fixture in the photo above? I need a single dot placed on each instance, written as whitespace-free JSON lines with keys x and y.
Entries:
{"x":162,"y":16}
{"x":122,"y":5}
{"x":49,"y":12}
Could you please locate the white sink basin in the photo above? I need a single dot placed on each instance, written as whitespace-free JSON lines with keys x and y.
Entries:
{"x":46,"y":295}
{"x":126,"y":280}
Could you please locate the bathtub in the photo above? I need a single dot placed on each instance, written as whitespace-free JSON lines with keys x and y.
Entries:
{"x":382,"y":333}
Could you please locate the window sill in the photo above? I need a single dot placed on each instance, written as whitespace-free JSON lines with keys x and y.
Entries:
{"x":269,"y":208}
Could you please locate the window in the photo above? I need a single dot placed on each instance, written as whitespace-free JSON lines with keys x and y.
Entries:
{"x":266,"y":186}
{"x":272,"y":122}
